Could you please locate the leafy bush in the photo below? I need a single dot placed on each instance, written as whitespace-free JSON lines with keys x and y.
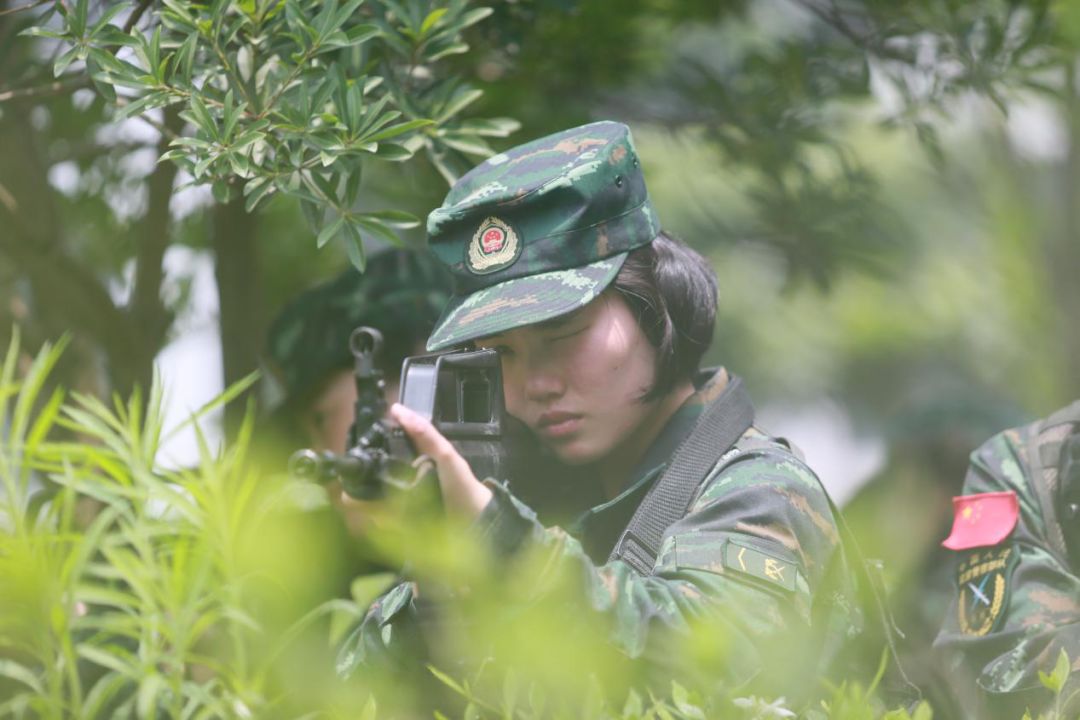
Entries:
{"x":290,"y":98}
{"x":136,"y":591}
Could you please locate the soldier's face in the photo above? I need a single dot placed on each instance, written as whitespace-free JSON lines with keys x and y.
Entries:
{"x":577,"y":381}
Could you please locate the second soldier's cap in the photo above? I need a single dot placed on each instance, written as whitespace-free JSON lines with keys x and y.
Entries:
{"x":400,"y":294}
{"x":540,"y":230}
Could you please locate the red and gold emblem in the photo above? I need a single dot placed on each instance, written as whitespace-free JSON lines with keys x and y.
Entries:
{"x":494,"y":247}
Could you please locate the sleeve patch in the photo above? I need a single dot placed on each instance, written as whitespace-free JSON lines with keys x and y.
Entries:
{"x":983,"y":579}
{"x":763,"y":566}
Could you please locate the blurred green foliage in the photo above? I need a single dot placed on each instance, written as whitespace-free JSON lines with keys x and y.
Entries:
{"x":288,"y":98}
{"x":132,"y":591}
{"x":129,"y":591}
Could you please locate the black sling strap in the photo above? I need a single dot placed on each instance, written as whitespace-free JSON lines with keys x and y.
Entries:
{"x":721,"y":425}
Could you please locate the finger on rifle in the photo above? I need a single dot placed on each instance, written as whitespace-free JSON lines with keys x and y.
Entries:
{"x":459,"y":485}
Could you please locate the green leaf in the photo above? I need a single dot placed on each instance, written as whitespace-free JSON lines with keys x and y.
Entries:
{"x":473,"y":16}
{"x":353,"y":178}
{"x":141,"y":105}
{"x":108,"y":660}
{"x":101,"y":695}
{"x":394,"y":218}
{"x":370,"y":711}
{"x":490,"y":127}
{"x":43,"y":32}
{"x":377,"y":228}
{"x":461,"y":101}
{"x":329,"y":232}
{"x":467,"y":145}
{"x":395,"y":130}
{"x":354,"y":248}
{"x":149,"y":687}
{"x":107,"y":17}
{"x":64,"y":61}
{"x":1056,"y":679}
{"x":255,"y":190}
{"x":431,"y":20}
{"x":21,"y":674}
{"x":202,"y":118}
{"x":447,"y":680}
{"x":392,"y":152}
{"x":77,"y":19}
{"x":358,"y":34}
{"x":231,"y":393}
{"x":452,"y":49}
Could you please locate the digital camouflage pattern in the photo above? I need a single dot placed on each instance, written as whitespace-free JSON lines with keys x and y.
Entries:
{"x":400,"y":294}
{"x":544,"y":226}
{"x":757,"y":558}
{"x":1016,"y":604}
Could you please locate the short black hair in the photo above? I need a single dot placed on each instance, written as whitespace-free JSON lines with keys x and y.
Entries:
{"x":671,"y":290}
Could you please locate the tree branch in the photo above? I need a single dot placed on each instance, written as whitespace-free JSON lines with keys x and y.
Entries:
{"x":58,"y":87}
{"x":136,"y":15}
{"x":149,"y":316}
{"x":22,"y":8}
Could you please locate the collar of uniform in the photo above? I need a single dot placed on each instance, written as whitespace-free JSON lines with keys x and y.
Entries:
{"x":599,"y":526}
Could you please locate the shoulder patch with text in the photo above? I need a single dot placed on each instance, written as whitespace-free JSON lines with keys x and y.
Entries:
{"x":761,"y":565}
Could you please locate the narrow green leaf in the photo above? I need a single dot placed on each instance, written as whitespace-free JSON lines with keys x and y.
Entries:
{"x":102,"y":694}
{"x":467,"y":145}
{"x":378,"y":229}
{"x":107,"y":17}
{"x":371,"y":709}
{"x":474,"y":16}
{"x":358,"y":34}
{"x":489,"y":127}
{"x":107,"y":660}
{"x":431,"y":20}
{"x":461,"y":101}
{"x":64,"y":61}
{"x":352,"y":184}
{"x":354,"y":247}
{"x":451,"y":49}
{"x":43,"y":32}
{"x":394,"y":218}
{"x":255,"y":190}
{"x":21,"y":674}
{"x":447,"y":680}
{"x":329,"y":232}
{"x":400,"y":128}
{"x":231,"y":393}
{"x":1056,"y":679}
{"x":392,"y":152}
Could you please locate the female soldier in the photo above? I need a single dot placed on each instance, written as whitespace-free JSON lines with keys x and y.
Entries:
{"x":601,"y":320}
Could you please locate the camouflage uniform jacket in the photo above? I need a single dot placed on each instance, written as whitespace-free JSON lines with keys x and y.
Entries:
{"x":1016,"y":603}
{"x":755,"y":553}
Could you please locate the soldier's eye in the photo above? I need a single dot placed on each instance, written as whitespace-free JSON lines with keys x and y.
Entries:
{"x":566,"y":335}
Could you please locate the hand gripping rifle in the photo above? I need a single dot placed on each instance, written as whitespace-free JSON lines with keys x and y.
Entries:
{"x":460,"y":392}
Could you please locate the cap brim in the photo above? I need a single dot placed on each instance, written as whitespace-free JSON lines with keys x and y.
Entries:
{"x":522,"y":301}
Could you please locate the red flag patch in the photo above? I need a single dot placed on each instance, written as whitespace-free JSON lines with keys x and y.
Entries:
{"x":982,"y":520}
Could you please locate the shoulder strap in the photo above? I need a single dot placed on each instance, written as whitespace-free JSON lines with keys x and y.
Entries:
{"x":721,"y":425}
{"x":1044,"y":447}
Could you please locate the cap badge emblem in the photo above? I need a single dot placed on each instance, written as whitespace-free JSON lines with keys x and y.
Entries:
{"x":494,"y":247}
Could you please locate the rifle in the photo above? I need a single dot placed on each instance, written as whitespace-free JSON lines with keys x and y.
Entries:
{"x":460,"y":392}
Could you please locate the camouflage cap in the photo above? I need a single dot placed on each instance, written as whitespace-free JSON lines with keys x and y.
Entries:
{"x":400,"y":294}
{"x":539,"y":230}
